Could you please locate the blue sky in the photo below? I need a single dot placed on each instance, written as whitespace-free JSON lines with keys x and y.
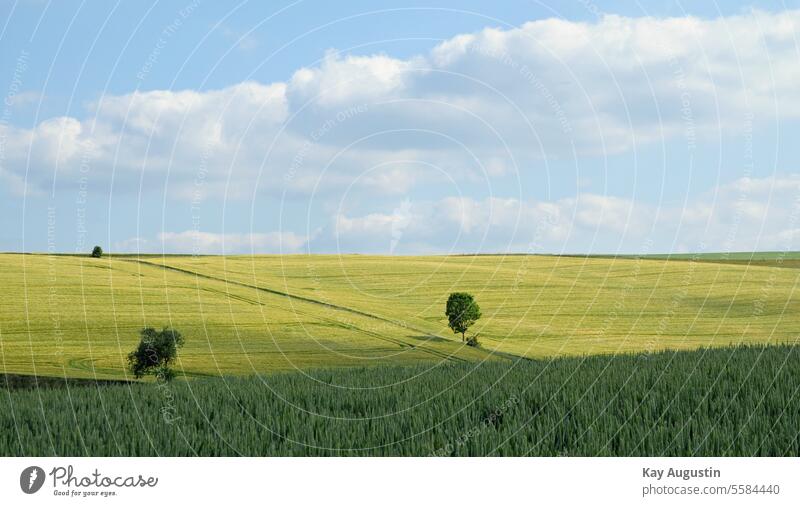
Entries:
{"x":399,"y":127}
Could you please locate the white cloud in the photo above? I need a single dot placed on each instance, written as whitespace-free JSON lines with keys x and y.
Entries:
{"x":483,"y":103}
{"x":244,"y":41}
{"x":343,"y":80}
{"x":24,"y":98}
{"x":621,"y":80}
{"x":175,"y":134}
{"x":371,"y":224}
{"x":606,"y":212}
{"x":210,"y":243}
{"x":749,"y":214}
{"x":207,"y":243}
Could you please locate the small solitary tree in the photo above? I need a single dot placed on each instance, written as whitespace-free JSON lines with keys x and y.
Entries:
{"x":462,"y":311}
{"x":156,"y":351}
{"x":97,"y":252}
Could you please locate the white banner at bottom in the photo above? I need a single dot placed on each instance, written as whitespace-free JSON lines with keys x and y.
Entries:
{"x":400,"y":481}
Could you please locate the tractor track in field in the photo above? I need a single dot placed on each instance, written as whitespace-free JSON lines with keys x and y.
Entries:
{"x":309,"y":300}
{"x":87,"y":364}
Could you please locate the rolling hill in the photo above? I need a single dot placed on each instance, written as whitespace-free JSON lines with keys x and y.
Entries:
{"x":75,"y":316}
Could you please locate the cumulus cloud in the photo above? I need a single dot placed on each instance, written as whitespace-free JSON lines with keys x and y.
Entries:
{"x":208,"y":243}
{"x":342,"y":80}
{"x":480,"y":104}
{"x":174,"y":135}
{"x":748,"y":214}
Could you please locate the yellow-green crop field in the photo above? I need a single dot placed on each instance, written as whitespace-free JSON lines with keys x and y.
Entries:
{"x":79,"y":317}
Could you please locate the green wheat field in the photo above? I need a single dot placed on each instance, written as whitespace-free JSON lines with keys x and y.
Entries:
{"x":332,"y":355}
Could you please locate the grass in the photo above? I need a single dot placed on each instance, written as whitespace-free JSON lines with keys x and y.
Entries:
{"x":351,"y":355}
{"x":739,"y":401}
{"x":74,"y":316}
{"x":79,"y":317}
{"x":538,"y":306}
{"x":786,"y":259}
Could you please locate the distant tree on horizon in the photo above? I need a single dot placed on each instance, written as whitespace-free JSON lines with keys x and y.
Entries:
{"x":97,"y":252}
{"x":462,"y":312}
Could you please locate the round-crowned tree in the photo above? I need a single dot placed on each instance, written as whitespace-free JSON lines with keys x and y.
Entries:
{"x":97,"y":252}
{"x":155,"y":352}
{"x":462,"y":311}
